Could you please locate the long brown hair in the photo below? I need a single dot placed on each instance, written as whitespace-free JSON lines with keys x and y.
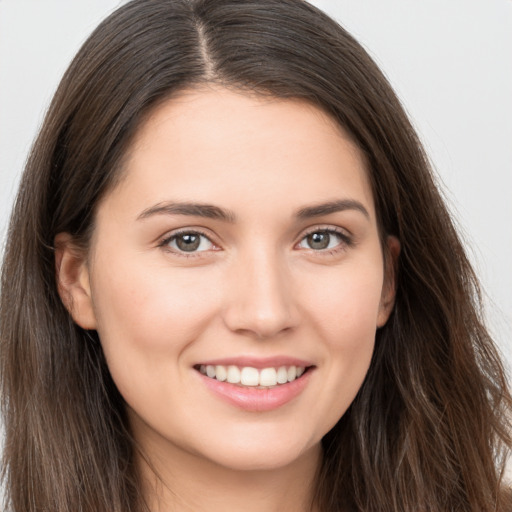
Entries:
{"x":430,"y":428}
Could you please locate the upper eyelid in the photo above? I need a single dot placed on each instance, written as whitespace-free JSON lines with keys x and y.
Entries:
{"x":184,"y":231}
{"x":328,"y":228}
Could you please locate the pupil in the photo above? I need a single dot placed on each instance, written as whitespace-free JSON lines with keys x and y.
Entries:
{"x":318,"y":240}
{"x":188,"y":242}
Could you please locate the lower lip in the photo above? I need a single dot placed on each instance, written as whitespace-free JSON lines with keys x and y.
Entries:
{"x":257,"y":399}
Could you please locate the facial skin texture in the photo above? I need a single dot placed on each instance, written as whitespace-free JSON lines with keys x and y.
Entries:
{"x":254,"y":289}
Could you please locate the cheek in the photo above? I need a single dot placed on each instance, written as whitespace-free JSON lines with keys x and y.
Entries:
{"x":152,"y":312}
{"x":346,"y":304}
{"x":344,"y":316}
{"x":146,"y":320}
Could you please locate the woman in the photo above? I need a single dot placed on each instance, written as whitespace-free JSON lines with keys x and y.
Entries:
{"x":230,"y":282}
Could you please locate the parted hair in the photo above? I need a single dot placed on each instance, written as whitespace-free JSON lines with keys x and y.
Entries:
{"x":429,"y":429}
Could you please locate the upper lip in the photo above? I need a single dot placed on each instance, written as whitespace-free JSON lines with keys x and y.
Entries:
{"x":258,"y":362}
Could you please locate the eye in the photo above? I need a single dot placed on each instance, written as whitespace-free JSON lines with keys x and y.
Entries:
{"x":188,"y":242}
{"x":324,"y":239}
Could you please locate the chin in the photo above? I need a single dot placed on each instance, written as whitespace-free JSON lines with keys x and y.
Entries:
{"x":263,"y":457}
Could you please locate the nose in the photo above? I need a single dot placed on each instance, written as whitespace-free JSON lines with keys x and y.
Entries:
{"x":259,"y":297}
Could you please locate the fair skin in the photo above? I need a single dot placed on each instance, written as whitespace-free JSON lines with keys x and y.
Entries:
{"x":255,"y":286}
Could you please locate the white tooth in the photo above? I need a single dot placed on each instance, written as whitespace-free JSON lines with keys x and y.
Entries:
{"x":233,"y":376}
{"x":210,"y":371}
{"x":202,"y":369}
{"x":268,"y":377}
{"x":250,"y":376}
{"x":221,"y":373}
{"x":282,"y":375}
{"x":292,"y":373}
{"x":300,"y":371}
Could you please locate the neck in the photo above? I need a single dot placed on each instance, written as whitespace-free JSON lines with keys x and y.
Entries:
{"x":184,"y":482}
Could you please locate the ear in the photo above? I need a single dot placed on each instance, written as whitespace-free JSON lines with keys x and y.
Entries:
{"x":72,"y":276}
{"x":387,"y":300}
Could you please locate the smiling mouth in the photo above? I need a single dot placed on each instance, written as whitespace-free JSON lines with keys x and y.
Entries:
{"x":248,"y":376}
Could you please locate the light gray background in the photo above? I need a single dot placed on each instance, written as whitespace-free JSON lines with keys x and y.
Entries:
{"x":449,"y":61}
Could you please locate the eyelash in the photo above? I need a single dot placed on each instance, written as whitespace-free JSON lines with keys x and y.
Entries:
{"x":346,"y":241}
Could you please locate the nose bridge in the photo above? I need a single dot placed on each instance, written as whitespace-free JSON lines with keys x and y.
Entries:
{"x":259,"y":293}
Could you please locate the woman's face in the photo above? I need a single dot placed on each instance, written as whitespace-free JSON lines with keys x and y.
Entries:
{"x":241,"y":244}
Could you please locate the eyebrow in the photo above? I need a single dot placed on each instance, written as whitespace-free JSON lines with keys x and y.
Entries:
{"x":211,"y":211}
{"x":192,"y":209}
{"x":331,"y":207}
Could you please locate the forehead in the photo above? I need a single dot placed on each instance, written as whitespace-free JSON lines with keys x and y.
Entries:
{"x":212,"y":143}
